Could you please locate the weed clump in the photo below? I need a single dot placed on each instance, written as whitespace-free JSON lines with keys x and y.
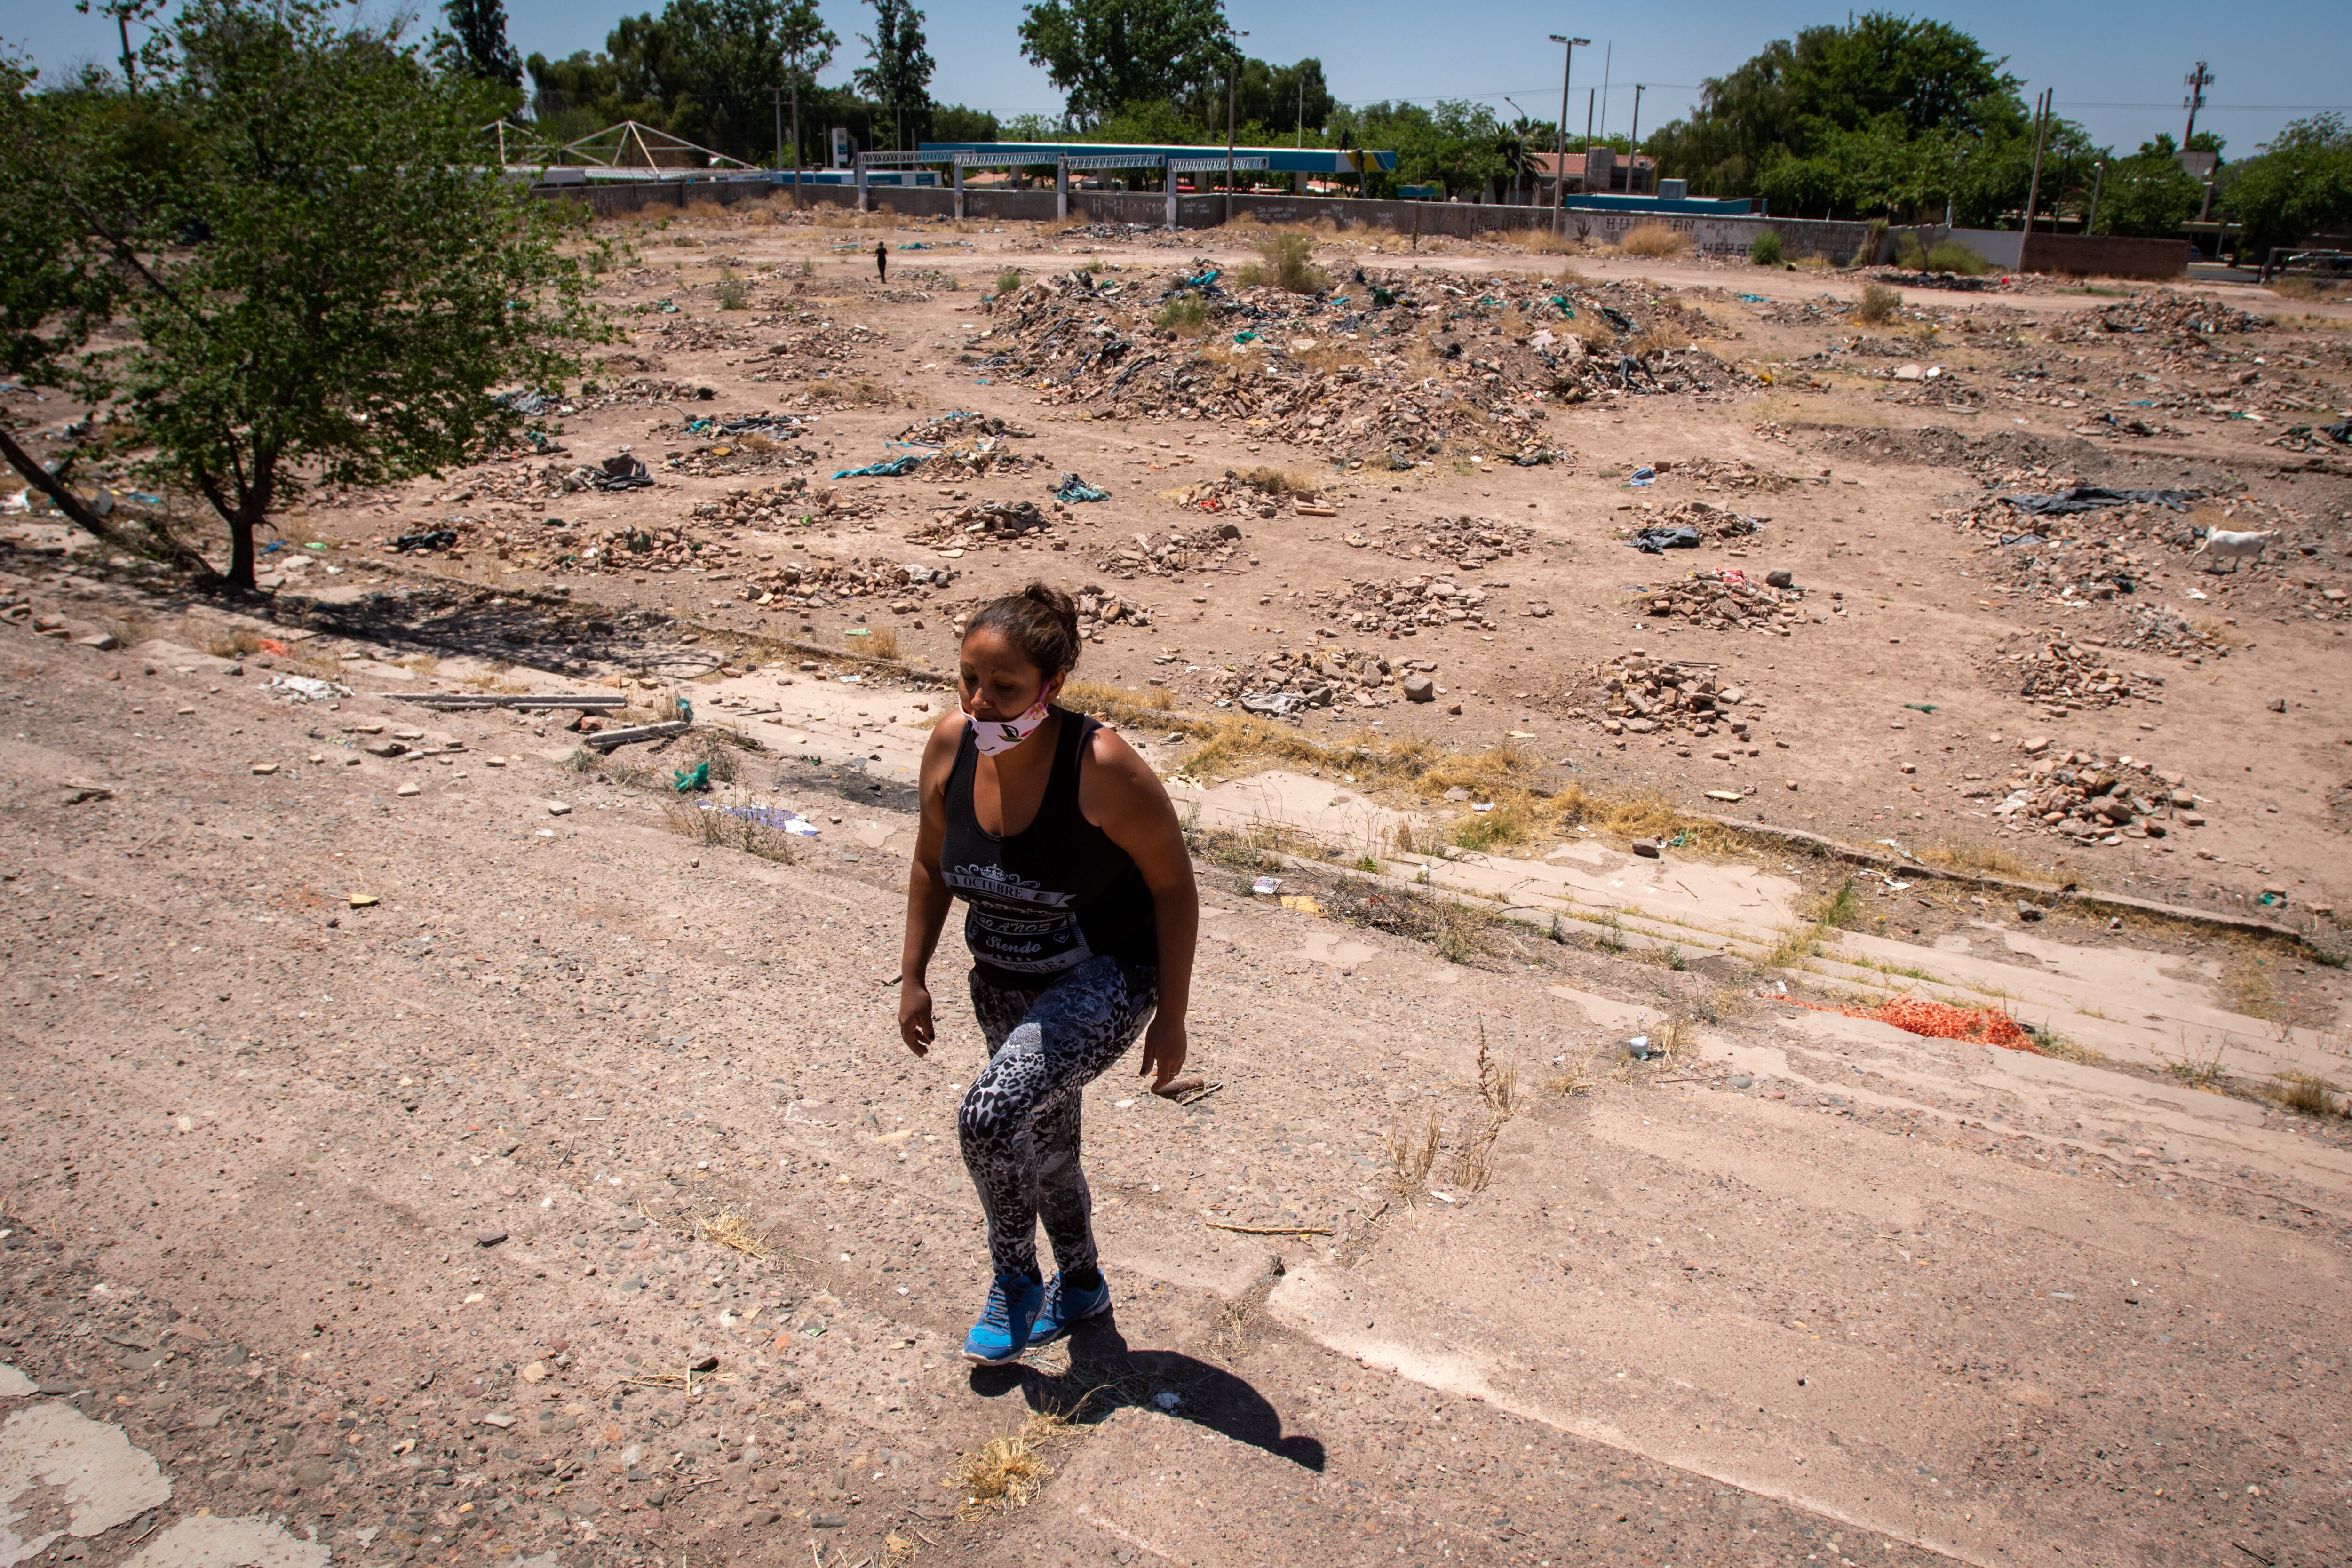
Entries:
{"x":1655,"y":239}
{"x":1288,"y":263}
{"x":1952,"y":255}
{"x":1878,"y":305}
{"x":1764,"y":250}
{"x":1184,"y":315}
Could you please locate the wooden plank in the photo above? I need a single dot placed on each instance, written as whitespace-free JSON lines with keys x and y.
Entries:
{"x":609,"y":739}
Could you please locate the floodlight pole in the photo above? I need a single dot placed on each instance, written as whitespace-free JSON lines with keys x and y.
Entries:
{"x":1560,"y":170}
{"x":1633,"y":145}
{"x":1233,"y":79}
{"x":2098,"y":182}
{"x":2033,"y":190}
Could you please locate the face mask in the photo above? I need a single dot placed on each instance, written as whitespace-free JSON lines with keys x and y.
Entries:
{"x":997,"y":736}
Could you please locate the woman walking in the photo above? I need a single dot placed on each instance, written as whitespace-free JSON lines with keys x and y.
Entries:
{"x":1081,"y":921}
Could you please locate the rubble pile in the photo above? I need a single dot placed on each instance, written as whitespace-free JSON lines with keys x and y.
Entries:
{"x":1284,"y":684}
{"x":816,"y":585}
{"x":1404,"y":605}
{"x":1731,"y":474}
{"x":2166,"y":313}
{"x":778,"y":504}
{"x":1243,"y":494}
{"x":2065,"y":675}
{"x":643,"y":549}
{"x":1390,"y":368}
{"x":1687,"y":525}
{"x":1641,"y":696}
{"x":2094,"y":799}
{"x":1728,"y":601}
{"x":1468,"y":542}
{"x":813,"y":337}
{"x":948,"y":429}
{"x":646,"y":389}
{"x":1209,"y":548}
{"x":971,"y":458}
{"x":983,"y":521}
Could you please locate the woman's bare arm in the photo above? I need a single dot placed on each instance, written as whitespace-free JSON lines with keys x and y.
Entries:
{"x":1120,"y":794}
{"x":928,"y":898}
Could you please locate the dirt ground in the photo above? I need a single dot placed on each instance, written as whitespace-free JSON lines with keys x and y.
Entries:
{"x":427,"y":1140}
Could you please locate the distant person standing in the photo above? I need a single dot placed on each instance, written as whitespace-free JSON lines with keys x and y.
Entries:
{"x":882,"y":261}
{"x":1081,"y":921}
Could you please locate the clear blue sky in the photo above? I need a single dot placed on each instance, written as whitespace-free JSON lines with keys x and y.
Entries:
{"x":2118,"y":67}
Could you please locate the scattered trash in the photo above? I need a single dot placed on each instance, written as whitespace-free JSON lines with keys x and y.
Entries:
{"x":1303,"y":903}
{"x":304,"y":688}
{"x":698,"y":778}
{"x":1275,"y":704}
{"x":2097,"y":497}
{"x":532,"y":404}
{"x":623,"y":472}
{"x":1658,"y":541}
{"x":1072,"y":491}
{"x":888,"y":468}
{"x":1640,"y":1048}
{"x":1641,"y":478}
{"x":1749,"y":299}
{"x":1921,"y":707}
{"x":775,"y":817}
{"x":431,"y":539}
{"x":1266,"y":887}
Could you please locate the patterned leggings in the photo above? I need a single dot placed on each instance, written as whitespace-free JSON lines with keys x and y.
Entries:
{"x":1019,"y":1123}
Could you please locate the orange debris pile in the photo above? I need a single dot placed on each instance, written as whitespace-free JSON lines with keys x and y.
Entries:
{"x":1940,"y":1021}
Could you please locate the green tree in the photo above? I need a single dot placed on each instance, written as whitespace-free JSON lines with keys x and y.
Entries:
{"x":282,"y":265}
{"x":2149,"y":193}
{"x":1104,"y":55}
{"x":1877,"y":118}
{"x":708,"y":68}
{"x":899,"y":78}
{"x":476,"y":44}
{"x":2298,"y":187}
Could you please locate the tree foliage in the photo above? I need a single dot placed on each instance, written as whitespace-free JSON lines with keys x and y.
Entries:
{"x":1885,"y":116}
{"x":2298,"y":187}
{"x":281,"y":264}
{"x":1106,"y":54}
{"x":898,"y":73}
{"x":2149,"y":193}
{"x":475,"y":43}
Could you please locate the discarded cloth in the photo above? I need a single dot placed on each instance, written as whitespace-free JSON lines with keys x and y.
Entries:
{"x":1657,"y":541}
{"x":689,"y":779}
{"x":1274,"y":704}
{"x":1644,"y":475}
{"x":1749,"y":299}
{"x":532,"y":404}
{"x":431,"y":539}
{"x":1617,"y":317}
{"x":772,"y":428}
{"x":889,"y":468}
{"x":304,"y":688}
{"x":623,"y":472}
{"x":2339,"y":432}
{"x":1072,"y":489}
{"x":2096,"y":497}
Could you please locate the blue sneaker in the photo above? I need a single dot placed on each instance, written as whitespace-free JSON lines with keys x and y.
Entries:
{"x":1066,"y":1304}
{"x":1002,"y":1332}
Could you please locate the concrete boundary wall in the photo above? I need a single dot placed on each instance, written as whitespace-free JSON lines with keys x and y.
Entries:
{"x":1839,"y":241}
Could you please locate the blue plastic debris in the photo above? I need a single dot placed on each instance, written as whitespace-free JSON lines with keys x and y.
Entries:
{"x":1643,"y":476}
{"x":1072,"y":489}
{"x":891,"y":469}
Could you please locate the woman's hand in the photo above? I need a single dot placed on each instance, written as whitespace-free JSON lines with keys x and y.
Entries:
{"x":1164,"y":1049}
{"x":915,"y":1018}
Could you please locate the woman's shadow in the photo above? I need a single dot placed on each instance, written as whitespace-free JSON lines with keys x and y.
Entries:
{"x":1105,"y":1376}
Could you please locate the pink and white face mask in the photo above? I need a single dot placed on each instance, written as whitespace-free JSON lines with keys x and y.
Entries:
{"x":996,"y":736}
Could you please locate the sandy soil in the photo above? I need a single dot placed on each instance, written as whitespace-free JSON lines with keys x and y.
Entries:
{"x":473,"y":1153}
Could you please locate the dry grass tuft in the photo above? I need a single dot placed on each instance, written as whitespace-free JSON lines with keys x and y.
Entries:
{"x":880,"y":642}
{"x":1284,"y":482}
{"x":1656,"y":239}
{"x":1574,"y":1077}
{"x":710,"y":825}
{"x":732,"y":1228}
{"x":1982,"y":858}
{"x":1878,"y":304}
{"x":1003,"y":1474}
{"x":2309,"y":1096}
{"x":1410,"y":1158}
{"x":1287,"y":262}
{"x":1125,"y":704}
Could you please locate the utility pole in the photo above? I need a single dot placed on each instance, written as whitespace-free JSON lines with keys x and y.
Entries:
{"x":1233,"y":78}
{"x":1633,"y":145}
{"x":1302,"y":108}
{"x":777,"y":95}
{"x":2033,"y":191}
{"x":1608,"y":66}
{"x":2199,"y":80}
{"x":1560,"y":170}
{"x":2098,"y":183}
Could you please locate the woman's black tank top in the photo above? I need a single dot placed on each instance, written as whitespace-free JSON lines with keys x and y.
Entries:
{"x":1058,"y":892}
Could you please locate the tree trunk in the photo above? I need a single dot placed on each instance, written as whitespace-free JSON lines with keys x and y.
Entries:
{"x":240,"y":550}
{"x":82,"y":517}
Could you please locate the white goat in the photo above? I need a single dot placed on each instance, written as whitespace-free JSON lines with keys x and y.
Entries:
{"x":2234,"y":547}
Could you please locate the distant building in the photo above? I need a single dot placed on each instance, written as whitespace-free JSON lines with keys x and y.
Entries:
{"x":1598,"y":170}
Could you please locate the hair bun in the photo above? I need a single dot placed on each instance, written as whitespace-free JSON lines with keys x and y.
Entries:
{"x":1041,"y":621}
